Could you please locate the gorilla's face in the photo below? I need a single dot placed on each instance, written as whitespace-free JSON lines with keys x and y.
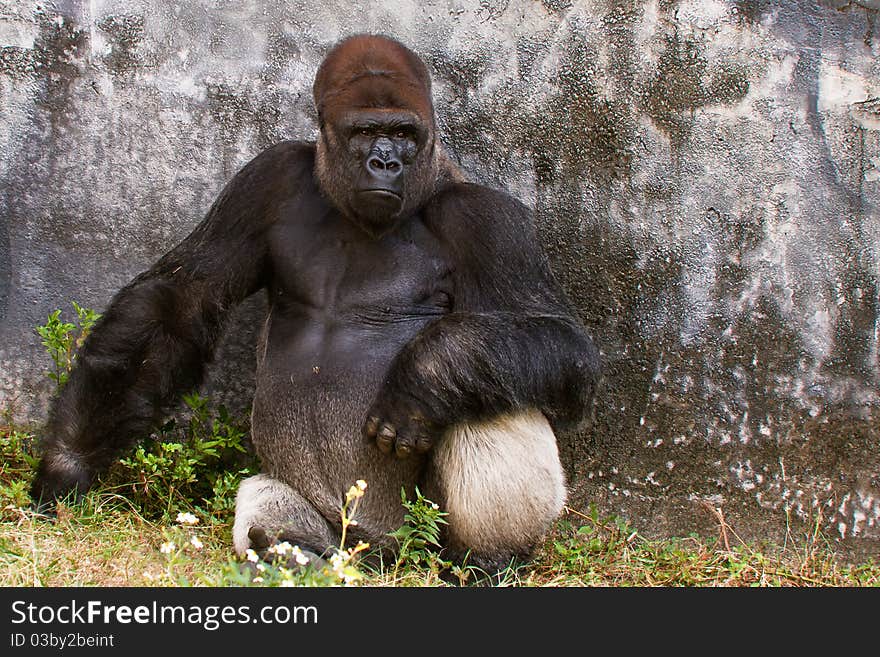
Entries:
{"x":377,"y":166}
{"x":376,"y":156}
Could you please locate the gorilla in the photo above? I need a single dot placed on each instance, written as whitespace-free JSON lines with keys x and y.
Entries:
{"x":415,"y":336}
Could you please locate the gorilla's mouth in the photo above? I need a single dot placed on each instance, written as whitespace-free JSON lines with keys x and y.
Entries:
{"x":381,"y":201}
{"x":382,"y":194}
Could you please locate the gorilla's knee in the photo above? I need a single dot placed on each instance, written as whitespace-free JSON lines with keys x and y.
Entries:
{"x":268,"y":510}
{"x":501,"y":483}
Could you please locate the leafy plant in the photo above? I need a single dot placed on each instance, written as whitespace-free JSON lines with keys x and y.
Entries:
{"x":17,"y":464}
{"x":197,"y":466}
{"x":592,"y":548}
{"x":16,"y":450}
{"x":419,"y":536}
{"x":62,"y":339}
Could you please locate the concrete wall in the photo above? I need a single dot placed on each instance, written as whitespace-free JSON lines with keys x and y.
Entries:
{"x":706,"y":175}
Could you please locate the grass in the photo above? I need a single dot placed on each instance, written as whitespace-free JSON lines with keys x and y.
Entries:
{"x":115,"y":537}
{"x":163,"y":517}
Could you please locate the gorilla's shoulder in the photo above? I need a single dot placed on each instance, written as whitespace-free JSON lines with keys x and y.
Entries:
{"x":282,"y":166}
{"x":466,"y":204}
{"x":475,"y":196}
{"x":288,"y":151}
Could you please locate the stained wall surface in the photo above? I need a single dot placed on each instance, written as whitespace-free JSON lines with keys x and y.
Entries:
{"x":706,"y":176}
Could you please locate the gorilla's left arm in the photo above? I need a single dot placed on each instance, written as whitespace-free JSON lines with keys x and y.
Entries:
{"x":512,"y":340}
{"x":153,"y":341}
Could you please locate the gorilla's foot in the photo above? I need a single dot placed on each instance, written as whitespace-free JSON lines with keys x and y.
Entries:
{"x":283,"y":551}
{"x":269,"y":512}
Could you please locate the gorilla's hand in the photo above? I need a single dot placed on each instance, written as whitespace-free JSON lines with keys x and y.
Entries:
{"x":399,"y":423}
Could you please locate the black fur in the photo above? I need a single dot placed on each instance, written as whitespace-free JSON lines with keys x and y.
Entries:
{"x":447,"y":313}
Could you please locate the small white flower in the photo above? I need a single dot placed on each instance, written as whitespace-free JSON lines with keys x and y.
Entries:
{"x":167,"y":548}
{"x":251,"y":555}
{"x":361,"y":484}
{"x":354,"y":493}
{"x":300,"y":557}
{"x":187,"y":518}
{"x":435,"y":506}
{"x":283,"y":548}
{"x":261,"y":568}
{"x":257,"y":579}
{"x":287,"y":583}
{"x":196,"y":543}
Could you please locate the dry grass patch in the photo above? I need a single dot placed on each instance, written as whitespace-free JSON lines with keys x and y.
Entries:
{"x":121,"y":536}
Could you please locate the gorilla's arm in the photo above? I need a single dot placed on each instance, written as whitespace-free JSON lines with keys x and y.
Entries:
{"x":154,"y":339}
{"x":511,"y":341}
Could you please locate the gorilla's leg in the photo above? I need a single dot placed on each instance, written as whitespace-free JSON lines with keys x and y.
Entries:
{"x":501,"y":483}
{"x":268,"y":510}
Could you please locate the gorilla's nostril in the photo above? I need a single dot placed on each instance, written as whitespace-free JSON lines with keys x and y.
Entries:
{"x":385,"y":166}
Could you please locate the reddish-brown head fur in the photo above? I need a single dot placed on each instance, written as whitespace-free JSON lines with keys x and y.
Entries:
{"x":368,"y":71}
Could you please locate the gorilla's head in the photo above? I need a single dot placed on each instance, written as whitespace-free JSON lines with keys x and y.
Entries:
{"x":377,"y":156}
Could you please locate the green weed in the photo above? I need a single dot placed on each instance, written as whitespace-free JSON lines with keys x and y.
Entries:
{"x":197,"y":466}
{"x":61,"y":340}
{"x":17,"y":463}
{"x":418,"y":539}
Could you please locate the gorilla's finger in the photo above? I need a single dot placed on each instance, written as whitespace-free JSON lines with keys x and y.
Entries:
{"x":403,"y":447}
{"x":385,"y":438}
{"x":423,"y":444}
{"x":371,"y":426}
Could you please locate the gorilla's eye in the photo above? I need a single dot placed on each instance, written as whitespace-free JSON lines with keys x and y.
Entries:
{"x":361,"y":131}
{"x":401,"y":134}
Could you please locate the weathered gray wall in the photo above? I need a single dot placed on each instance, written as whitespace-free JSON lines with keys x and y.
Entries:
{"x":706,"y":174}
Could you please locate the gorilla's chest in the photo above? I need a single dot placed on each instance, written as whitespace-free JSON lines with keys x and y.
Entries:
{"x":340,"y":298}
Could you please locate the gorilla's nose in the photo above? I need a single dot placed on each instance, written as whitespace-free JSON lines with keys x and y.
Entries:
{"x":383,"y":164}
